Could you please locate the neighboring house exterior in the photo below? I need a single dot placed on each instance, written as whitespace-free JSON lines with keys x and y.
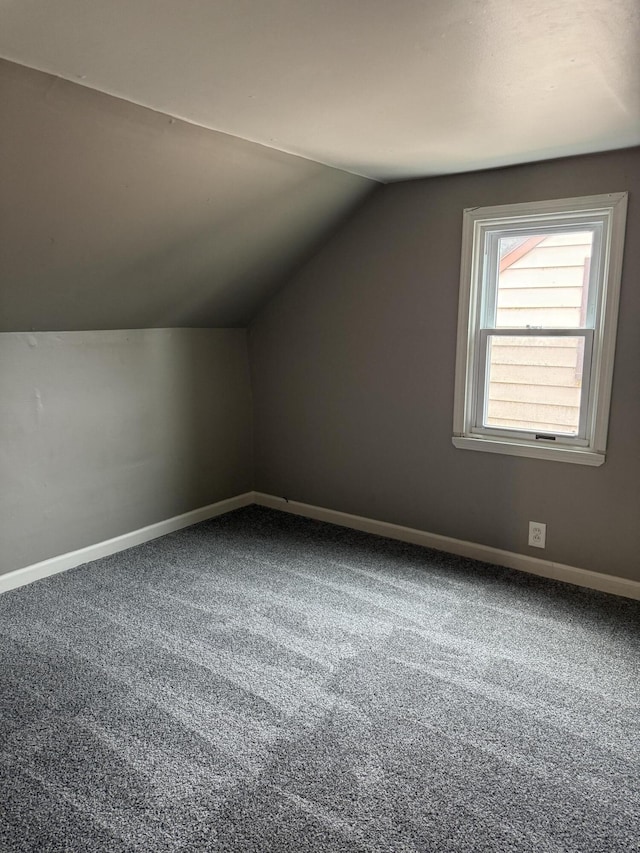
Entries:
{"x":536,"y":383}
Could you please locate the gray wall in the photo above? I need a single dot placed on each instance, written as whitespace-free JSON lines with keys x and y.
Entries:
{"x":105,"y":432}
{"x":353,"y":366}
{"x":114,"y":216}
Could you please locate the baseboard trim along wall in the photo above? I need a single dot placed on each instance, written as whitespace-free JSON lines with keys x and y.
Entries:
{"x":26,"y":575}
{"x":510,"y":559}
{"x":521,"y":562}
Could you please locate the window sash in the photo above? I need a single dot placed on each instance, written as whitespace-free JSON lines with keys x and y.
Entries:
{"x":481,"y":387}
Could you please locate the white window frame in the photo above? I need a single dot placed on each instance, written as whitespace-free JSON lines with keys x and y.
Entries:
{"x":606,"y":215}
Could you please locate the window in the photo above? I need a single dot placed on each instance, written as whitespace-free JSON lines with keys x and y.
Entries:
{"x":537,"y":322}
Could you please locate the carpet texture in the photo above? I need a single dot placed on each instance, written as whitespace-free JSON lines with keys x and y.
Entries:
{"x":262,"y":682}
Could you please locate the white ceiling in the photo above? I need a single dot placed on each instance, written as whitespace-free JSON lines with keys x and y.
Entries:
{"x":387,"y":90}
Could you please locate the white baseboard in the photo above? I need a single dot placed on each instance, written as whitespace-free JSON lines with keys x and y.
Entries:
{"x":26,"y":575}
{"x":522,"y":562}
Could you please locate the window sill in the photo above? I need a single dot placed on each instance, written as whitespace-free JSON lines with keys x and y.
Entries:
{"x":577,"y":456}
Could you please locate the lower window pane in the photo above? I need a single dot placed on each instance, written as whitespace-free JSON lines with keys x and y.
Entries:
{"x":534,"y":383}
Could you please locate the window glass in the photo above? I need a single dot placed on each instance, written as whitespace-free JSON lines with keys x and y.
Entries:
{"x":535,"y":383}
{"x":543,"y":280}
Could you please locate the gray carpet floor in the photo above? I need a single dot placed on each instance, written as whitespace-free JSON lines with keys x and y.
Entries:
{"x":262,"y":682}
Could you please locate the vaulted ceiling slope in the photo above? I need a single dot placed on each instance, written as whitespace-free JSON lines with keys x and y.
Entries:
{"x":388,"y":90}
{"x":115,"y":216}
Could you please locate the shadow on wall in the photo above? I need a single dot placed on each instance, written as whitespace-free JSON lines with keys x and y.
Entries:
{"x":230,"y":267}
{"x":127,"y":218}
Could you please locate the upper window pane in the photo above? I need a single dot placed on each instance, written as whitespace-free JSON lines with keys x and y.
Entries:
{"x":543,"y":280}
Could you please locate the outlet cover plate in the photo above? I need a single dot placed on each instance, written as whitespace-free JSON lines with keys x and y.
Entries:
{"x":537,"y":534}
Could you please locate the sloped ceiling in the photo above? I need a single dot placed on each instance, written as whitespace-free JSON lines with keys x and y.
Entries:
{"x":169,"y":164}
{"x":115,"y":216}
{"x":388,"y":90}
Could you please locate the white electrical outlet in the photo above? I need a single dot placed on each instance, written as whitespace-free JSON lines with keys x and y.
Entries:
{"x":537,"y":534}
